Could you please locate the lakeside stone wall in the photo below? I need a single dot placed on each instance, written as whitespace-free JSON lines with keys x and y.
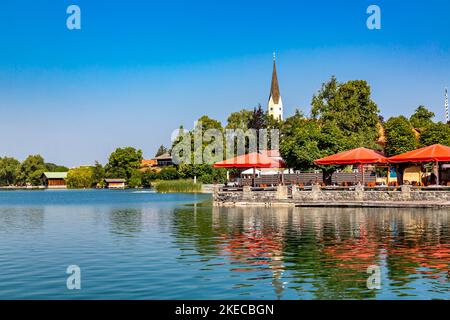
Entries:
{"x":281,"y":196}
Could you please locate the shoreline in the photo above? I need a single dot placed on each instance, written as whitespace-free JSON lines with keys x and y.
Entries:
{"x":359,"y":197}
{"x":343,"y":204}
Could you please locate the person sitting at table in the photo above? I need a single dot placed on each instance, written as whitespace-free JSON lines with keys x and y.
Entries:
{"x":433,"y":179}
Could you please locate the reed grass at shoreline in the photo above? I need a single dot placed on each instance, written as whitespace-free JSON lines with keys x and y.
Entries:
{"x":177,"y":186}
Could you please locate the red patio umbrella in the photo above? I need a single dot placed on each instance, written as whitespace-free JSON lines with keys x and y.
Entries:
{"x":251,"y":160}
{"x":434,"y":153}
{"x":354,"y":156}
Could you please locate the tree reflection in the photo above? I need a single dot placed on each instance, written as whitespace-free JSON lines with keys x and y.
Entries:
{"x":125,"y":222}
{"x":28,"y":218}
{"x":322,"y":253}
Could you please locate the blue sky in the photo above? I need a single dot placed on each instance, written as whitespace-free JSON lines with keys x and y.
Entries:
{"x":138,"y":69}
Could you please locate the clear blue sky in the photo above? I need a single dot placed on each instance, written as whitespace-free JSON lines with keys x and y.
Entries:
{"x":138,"y":69}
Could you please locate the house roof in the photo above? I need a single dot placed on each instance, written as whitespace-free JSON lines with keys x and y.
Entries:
{"x":148,"y":162}
{"x":115,"y":180}
{"x":164,"y":156}
{"x":55,"y":175}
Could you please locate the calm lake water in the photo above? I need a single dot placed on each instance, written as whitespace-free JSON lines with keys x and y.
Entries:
{"x":142,"y":245}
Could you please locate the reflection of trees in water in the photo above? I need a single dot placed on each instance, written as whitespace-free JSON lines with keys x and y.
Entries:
{"x":194,"y":224}
{"x":325,"y":251}
{"x":244,"y":239}
{"x":348,"y":241}
{"x":255,"y":240}
{"x":28,"y":219}
{"x":125,"y":222}
{"x":419,"y":244}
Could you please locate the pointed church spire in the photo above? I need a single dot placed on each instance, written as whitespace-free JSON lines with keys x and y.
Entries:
{"x":274,"y":88}
{"x":275,"y":107}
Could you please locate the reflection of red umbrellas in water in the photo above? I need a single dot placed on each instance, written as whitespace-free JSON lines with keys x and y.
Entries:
{"x":253,"y":247}
{"x":435,"y":257}
{"x":353,"y":253}
{"x":259,"y":248}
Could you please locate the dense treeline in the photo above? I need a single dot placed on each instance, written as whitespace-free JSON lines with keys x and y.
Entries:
{"x":29,"y":172}
{"x":342,"y":116}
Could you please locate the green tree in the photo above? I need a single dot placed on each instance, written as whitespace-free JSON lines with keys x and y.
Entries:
{"x":422,"y":118}
{"x":80,"y":178}
{"x":135,"y":180}
{"x":9,"y":171}
{"x":272,"y":123}
{"x":98,"y":174}
{"x":169,"y":173}
{"x":148,"y":177}
{"x":400,"y":137}
{"x":187,"y":170}
{"x":51,"y":167}
{"x":31,"y":170}
{"x":122,"y":163}
{"x":258,"y":119}
{"x":350,"y":107}
{"x":436,"y":133}
{"x":204,"y":123}
{"x":305,"y":140}
{"x":239,"y":120}
{"x":216,"y":175}
{"x":208,"y":123}
{"x":161,"y":150}
{"x":205,"y":173}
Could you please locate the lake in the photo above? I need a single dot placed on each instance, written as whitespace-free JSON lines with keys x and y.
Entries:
{"x":144,"y":245}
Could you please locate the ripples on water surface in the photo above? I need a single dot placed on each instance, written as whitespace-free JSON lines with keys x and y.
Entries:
{"x":152,"y":246}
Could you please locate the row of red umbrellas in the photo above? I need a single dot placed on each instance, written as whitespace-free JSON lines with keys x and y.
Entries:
{"x":434,"y":153}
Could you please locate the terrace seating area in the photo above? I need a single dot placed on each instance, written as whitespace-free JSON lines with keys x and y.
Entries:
{"x":371,"y":171}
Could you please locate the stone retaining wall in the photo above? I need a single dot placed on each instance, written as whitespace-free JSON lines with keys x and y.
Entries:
{"x":318,"y":195}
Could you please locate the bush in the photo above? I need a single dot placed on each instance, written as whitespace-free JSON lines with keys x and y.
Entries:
{"x":169,"y":173}
{"x":148,"y":177}
{"x":186,"y":186}
{"x":204,"y":172}
{"x":135,"y":180}
{"x":207,"y":178}
{"x":80,"y":178}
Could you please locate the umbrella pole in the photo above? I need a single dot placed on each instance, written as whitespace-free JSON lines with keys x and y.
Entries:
{"x":363,"y":175}
{"x":254,"y":173}
{"x":388,"y":175}
{"x":437,"y":172}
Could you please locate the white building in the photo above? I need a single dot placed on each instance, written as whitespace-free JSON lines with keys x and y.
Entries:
{"x":275,"y":106}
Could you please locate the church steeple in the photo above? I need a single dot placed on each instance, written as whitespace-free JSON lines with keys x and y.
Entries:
{"x":275,"y":106}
